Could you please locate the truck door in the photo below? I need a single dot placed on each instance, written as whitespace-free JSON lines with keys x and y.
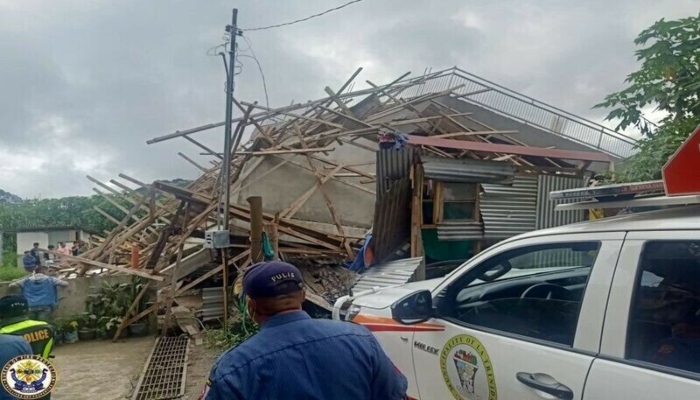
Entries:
{"x":651,"y":338}
{"x":522,"y":321}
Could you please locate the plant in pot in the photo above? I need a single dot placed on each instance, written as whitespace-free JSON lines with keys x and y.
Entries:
{"x":139,"y":328}
{"x":58,"y":331}
{"x":109,"y":326}
{"x":87,"y":326}
{"x":69,"y":326}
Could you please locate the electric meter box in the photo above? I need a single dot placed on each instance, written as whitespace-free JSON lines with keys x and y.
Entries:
{"x":217,"y":239}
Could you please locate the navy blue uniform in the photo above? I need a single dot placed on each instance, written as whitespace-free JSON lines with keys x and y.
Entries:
{"x":296,"y":357}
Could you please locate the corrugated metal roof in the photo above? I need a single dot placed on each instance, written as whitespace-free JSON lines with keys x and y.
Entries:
{"x":509,"y":210}
{"x":546,"y":216}
{"x":466,"y":170}
{"x":393,"y":165}
{"x":212,"y":303}
{"x":461,"y":231}
{"x":388,"y":274}
{"x":524,"y":109}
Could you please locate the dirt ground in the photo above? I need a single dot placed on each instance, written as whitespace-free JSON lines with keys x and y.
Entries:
{"x":109,"y":371}
{"x":200,"y":361}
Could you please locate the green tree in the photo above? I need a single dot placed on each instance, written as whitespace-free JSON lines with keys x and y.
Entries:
{"x":669,"y":81}
{"x":76,"y":211}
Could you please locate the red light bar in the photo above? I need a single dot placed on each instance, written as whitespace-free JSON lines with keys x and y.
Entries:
{"x":608,"y":190}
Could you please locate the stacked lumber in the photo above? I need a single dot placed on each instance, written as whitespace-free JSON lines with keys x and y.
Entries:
{"x":167,"y":222}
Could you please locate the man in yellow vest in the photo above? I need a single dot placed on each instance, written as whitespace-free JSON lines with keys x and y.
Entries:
{"x":14,"y":320}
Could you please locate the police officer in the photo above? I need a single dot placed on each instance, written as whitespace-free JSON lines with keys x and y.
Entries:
{"x":10,"y":347}
{"x":14,"y":320}
{"x":296,"y":357}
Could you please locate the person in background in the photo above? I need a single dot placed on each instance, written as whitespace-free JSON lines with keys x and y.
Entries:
{"x":49,"y":256}
{"x":41,"y":293}
{"x":83,"y":247}
{"x":76,"y":248}
{"x":36,"y":253}
{"x":296,"y":357}
{"x":29,"y":262}
{"x":10,"y":347}
{"x":63,"y":249}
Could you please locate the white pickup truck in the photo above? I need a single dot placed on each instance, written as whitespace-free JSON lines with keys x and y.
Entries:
{"x":599,"y":310}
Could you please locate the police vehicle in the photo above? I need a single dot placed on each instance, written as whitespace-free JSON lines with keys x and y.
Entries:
{"x":606,"y":309}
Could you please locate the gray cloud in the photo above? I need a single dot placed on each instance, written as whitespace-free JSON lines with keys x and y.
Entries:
{"x":86,"y":83}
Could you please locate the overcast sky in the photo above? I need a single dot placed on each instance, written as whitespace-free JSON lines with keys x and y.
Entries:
{"x":84,"y":84}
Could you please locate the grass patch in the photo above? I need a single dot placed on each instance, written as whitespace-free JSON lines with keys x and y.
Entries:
{"x":10,"y":274}
{"x":240,"y":328}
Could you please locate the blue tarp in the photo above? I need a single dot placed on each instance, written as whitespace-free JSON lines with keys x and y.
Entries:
{"x":359,"y":262}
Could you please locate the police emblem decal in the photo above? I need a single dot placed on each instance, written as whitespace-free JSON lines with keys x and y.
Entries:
{"x":467,"y":369}
{"x":28,"y":377}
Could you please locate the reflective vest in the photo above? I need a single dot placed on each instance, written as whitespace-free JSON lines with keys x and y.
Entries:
{"x":39,"y":334}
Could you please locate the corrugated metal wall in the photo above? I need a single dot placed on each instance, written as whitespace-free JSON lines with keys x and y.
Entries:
{"x":509,"y":210}
{"x":393,"y":165}
{"x":466,"y":171}
{"x":392,"y":218}
{"x":461,"y":231}
{"x":547,"y":217}
{"x":392,"y":213}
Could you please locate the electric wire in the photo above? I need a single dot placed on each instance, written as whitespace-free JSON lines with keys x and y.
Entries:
{"x":302,"y":19}
{"x":262,"y":74}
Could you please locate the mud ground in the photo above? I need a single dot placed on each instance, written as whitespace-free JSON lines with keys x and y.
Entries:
{"x":110,"y":371}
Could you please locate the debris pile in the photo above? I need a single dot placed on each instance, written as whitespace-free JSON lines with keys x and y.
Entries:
{"x":313,"y":167}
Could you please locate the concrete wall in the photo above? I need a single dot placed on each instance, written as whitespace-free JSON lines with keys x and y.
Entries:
{"x":280,"y":188}
{"x":25,"y":240}
{"x":71,"y":299}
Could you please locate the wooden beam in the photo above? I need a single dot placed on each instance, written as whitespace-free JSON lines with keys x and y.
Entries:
{"x":351,"y":184}
{"x":115,"y":268}
{"x":298,"y":203}
{"x":473,"y":133}
{"x":510,"y":149}
{"x":205,"y":148}
{"x":191,"y":161}
{"x":131,"y":309}
{"x":106,"y":215}
{"x":171,"y":299}
{"x":326,"y":196}
{"x":285,"y":151}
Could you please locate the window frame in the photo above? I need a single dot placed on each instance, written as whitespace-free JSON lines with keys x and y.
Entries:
{"x":613,"y":345}
{"x":636,"y":287}
{"x":475,"y":270}
{"x":438,"y":199}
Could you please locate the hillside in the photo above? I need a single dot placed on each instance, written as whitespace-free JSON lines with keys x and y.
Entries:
{"x":7,"y":197}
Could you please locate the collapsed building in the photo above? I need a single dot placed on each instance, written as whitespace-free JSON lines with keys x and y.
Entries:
{"x":360,"y":189}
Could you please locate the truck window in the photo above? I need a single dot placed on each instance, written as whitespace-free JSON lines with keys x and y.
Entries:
{"x":533,"y":291}
{"x":664,"y":326}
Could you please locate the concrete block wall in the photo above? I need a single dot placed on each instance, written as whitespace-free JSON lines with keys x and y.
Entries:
{"x":71,"y":299}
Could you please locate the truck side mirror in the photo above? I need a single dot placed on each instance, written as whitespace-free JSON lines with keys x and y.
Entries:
{"x":415,"y":308}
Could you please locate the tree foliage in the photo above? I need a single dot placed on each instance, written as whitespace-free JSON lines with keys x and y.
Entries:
{"x":75,"y":211}
{"x":669,"y":81}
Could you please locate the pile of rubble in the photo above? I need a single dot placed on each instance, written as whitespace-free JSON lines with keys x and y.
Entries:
{"x":320,"y":159}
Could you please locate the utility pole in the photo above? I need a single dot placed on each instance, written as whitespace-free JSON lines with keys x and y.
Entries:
{"x":226,"y":173}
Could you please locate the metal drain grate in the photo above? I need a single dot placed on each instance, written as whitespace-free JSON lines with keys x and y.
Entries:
{"x":163,"y":376}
